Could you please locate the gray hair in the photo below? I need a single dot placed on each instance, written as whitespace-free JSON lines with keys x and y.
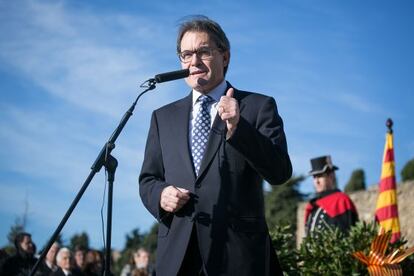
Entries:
{"x":61,"y":252}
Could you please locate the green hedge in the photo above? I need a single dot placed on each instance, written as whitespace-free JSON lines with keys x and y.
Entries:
{"x":330,"y":251}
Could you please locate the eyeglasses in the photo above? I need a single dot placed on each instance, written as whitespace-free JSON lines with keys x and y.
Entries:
{"x":204,"y":53}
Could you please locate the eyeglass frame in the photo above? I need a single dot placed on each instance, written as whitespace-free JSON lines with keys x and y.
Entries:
{"x":211,"y":50}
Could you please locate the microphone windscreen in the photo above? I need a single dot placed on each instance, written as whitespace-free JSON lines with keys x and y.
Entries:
{"x":173,"y":75}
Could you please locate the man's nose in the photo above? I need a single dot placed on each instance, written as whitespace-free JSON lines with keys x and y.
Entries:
{"x":195,"y":59}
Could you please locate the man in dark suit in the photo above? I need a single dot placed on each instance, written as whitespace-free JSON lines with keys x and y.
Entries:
{"x":64,"y":262}
{"x":205,"y":160}
{"x":23,"y":261}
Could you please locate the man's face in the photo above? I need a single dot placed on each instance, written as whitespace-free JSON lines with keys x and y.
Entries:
{"x":323,"y":182}
{"x":204,"y":74}
{"x":27,"y":245}
{"x":80,"y":258}
{"x":64,"y":262}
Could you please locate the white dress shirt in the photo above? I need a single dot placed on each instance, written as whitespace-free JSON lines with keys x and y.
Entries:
{"x":215,"y":94}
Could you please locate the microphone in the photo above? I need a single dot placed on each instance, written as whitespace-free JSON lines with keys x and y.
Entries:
{"x":173,"y":75}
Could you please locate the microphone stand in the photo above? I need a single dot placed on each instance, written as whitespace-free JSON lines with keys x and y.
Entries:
{"x":110,"y":163}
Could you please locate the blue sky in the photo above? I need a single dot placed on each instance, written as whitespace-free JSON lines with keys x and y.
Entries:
{"x":70,"y":69}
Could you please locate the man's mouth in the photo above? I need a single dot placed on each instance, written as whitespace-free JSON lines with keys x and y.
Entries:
{"x":197,"y":72}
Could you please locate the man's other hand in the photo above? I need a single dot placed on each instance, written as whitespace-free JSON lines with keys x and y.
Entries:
{"x":174,"y":198}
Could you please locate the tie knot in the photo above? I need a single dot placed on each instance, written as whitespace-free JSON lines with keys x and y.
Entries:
{"x":204,"y":99}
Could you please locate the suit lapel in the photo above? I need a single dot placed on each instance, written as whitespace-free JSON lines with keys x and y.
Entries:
{"x":217,"y":135}
{"x":179,"y":131}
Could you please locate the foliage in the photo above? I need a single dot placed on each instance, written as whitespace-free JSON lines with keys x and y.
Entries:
{"x":18,"y":227}
{"x":15,"y":229}
{"x":407,"y":173}
{"x":281,"y":203}
{"x":79,"y":240}
{"x":356,"y":182}
{"x":329,"y":252}
{"x":408,"y":266}
{"x":150,"y":241}
{"x":19,"y":224}
{"x":135,"y":240}
{"x":284,"y":242}
{"x":132,"y":243}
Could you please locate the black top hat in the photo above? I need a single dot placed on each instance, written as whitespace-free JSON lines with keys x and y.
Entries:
{"x":322,"y":164}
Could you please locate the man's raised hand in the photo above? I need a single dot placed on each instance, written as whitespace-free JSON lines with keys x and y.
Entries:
{"x":228,"y":110}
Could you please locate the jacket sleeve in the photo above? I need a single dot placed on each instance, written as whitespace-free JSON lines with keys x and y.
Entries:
{"x":264,"y":144}
{"x":151,"y":179}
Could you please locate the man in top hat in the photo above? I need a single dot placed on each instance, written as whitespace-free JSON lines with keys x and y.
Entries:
{"x":330,"y":207}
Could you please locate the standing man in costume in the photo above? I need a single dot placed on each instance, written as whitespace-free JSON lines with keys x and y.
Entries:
{"x":330,"y":207}
{"x":205,"y":159}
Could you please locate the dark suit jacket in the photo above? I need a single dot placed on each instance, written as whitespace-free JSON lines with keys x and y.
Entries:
{"x":226,"y":205}
{"x":58,"y":272}
{"x":73,"y":272}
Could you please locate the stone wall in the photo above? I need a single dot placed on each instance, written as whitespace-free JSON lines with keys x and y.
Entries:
{"x":366,"y":201}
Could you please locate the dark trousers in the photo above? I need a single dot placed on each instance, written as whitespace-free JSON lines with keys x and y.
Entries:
{"x":192,"y":264}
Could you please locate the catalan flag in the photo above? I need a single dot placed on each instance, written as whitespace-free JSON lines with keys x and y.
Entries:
{"x":387,"y":208}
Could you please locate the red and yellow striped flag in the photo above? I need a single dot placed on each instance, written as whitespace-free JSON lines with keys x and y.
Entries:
{"x":387,"y":208}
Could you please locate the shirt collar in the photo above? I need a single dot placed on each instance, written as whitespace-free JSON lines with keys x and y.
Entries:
{"x":215,"y":94}
{"x":325,"y":193}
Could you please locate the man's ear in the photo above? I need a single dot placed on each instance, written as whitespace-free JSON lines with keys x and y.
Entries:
{"x":226,"y":58}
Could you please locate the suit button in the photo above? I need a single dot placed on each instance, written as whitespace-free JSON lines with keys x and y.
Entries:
{"x":197,"y":185}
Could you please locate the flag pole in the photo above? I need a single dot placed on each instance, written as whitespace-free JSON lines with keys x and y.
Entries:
{"x":389,"y":123}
